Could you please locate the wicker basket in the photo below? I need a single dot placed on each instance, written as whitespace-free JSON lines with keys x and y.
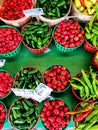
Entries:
{"x":5,"y":112}
{"x":61,"y":48}
{"x":53,"y":22}
{"x":88,"y":47}
{"x":18,"y":22}
{"x":14,"y":127}
{"x":80,"y":16}
{"x":37,"y":51}
{"x":26,"y":68}
{"x":14,"y":52}
{"x":5,"y":96}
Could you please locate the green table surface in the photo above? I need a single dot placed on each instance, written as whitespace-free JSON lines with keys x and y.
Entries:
{"x":74,"y":61}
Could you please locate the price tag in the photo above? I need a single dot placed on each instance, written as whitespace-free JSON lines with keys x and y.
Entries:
{"x":48,"y":50}
{"x":33,"y":12}
{"x":40,"y":93}
{"x":2,"y":62}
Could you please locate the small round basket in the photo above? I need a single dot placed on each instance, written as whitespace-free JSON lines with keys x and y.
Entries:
{"x":6,"y":84}
{"x":44,"y":47}
{"x":85,"y":110}
{"x":79,"y":87}
{"x":18,"y":22}
{"x":89,"y":47}
{"x":57,"y":77}
{"x":28,"y":78}
{"x":55,"y":21}
{"x":79,"y":15}
{"x":3,"y":114}
{"x":23,"y":114}
{"x":62,"y":48}
{"x":55,"y":117}
{"x":17,"y":50}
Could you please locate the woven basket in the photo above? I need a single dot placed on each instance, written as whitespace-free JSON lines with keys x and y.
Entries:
{"x":14,"y":127}
{"x":16,"y":51}
{"x":56,"y":92}
{"x":25,"y":68}
{"x":18,"y":22}
{"x":10,"y":90}
{"x":88,"y":47}
{"x":5,"y":110}
{"x":53,"y":22}
{"x":80,"y":16}
{"x":61,"y":48}
{"x":37,"y":51}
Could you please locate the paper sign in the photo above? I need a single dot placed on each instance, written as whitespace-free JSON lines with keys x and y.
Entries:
{"x":33,"y":12}
{"x":2,"y":62}
{"x":40,"y":93}
{"x":48,"y":50}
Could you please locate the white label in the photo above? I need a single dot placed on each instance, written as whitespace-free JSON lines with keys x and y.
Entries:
{"x":33,"y":12}
{"x":40,"y":93}
{"x":48,"y":50}
{"x":2,"y":62}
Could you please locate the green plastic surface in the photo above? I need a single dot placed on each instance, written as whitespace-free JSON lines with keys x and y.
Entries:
{"x":74,"y":61}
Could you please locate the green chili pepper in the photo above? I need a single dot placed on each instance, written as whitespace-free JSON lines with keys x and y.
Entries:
{"x":93,"y":76}
{"x":19,"y":121}
{"x":91,"y":115}
{"x":90,"y":23}
{"x":80,"y":126}
{"x":95,"y":31}
{"x":84,"y":85}
{"x":29,"y":103}
{"x":58,"y":12}
{"x":33,"y":123}
{"x":25,"y":105}
{"x":95,"y":127}
{"x":90,"y":123}
{"x":15,"y":107}
{"x":34,"y":70}
{"x":14,"y":114}
{"x":87,"y":81}
{"x":94,"y":41}
{"x":24,"y":127}
{"x":28,"y":112}
{"x":61,"y":3}
{"x":28,"y":120}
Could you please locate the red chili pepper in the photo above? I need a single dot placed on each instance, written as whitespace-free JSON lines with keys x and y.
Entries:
{"x":82,"y":116}
{"x":82,"y":3}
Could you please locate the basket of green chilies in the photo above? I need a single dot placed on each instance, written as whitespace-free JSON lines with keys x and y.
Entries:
{"x":23,"y":114}
{"x":37,"y":36}
{"x":84,"y":85}
{"x":55,"y":11}
{"x":28,"y":78}
{"x":91,"y":35}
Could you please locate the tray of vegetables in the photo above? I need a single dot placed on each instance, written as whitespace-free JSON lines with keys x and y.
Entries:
{"x":85,"y":116}
{"x":54,"y":10}
{"x":37,"y":36}
{"x":23,"y":114}
{"x":3,"y":114}
{"x":28,"y":78}
{"x":53,"y":114}
{"x":10,"y":41}
{"x":68,"y":35}
{"x":84,"y":85}
{"x":6,"y":83}
{"x":57,"y":77}
{"x":11,"y":12}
